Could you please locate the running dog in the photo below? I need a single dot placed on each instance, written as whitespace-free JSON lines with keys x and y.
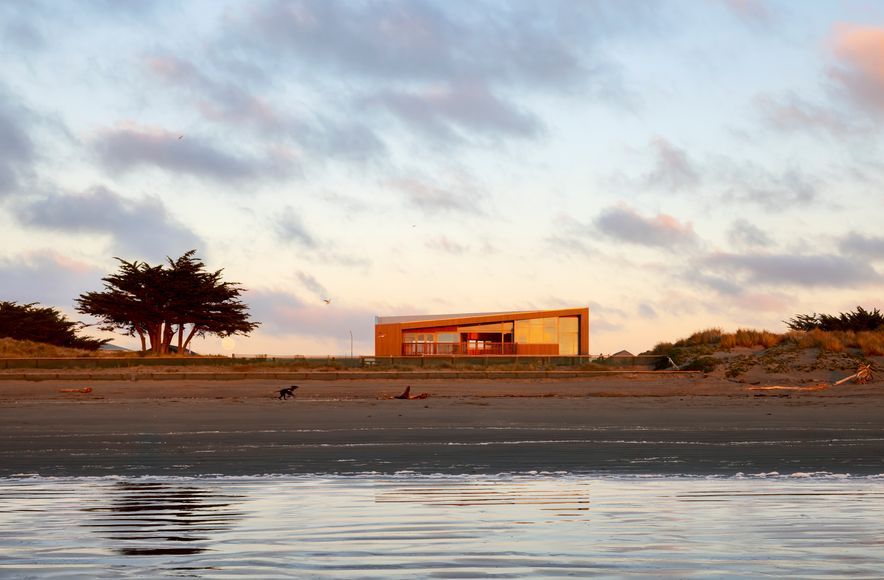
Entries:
{"x":287,"y":392}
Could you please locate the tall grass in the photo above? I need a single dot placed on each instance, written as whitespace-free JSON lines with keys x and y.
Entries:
{"x":11,"y":348}
{"x":871,"y":343}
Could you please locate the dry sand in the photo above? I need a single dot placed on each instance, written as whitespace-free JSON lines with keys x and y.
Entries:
{"x":643,"y":424}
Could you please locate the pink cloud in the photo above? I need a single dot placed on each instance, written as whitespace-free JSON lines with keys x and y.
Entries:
{"x":860,"y":52}
{"x":764,"y":302}
{"x":625,"y":224}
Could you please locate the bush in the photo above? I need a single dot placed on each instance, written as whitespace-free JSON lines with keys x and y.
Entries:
{"x":705,"y":364}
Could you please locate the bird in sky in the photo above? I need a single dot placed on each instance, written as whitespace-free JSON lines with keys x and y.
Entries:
{"x":180,"y":137}
{"x":327,"y":300}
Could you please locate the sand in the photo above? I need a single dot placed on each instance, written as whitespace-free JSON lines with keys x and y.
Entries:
{"x":637,"y":425}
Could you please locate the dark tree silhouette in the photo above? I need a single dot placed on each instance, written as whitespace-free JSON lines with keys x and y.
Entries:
{"x":42,"y":324}
{"x":856,"y":321}
{"x":158,"y":302}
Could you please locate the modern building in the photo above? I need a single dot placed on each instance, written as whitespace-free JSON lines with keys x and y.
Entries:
{"x":536,"y":332}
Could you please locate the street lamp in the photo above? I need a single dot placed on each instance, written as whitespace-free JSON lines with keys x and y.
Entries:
{"x":351,"y":344}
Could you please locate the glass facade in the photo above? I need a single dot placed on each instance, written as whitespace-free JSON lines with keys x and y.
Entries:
{"x":569,"y":335}
{"x":551,"y":335}
{"x":537,"y":331}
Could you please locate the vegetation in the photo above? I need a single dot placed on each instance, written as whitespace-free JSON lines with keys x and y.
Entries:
{"x":859,"y":320}
{"x":42,"y":324}
{"x":12,"y":348}
{"x":838,"y":345}
{"x":156,"y":303}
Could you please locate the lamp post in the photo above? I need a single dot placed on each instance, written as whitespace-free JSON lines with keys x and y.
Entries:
{"x":351,"y":344}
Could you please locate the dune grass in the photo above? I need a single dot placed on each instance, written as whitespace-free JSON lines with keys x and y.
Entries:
{"x":870,"y":343}
{"x":11,"y":348}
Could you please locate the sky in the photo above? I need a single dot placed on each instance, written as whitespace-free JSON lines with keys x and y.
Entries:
{"x":673,"y":165}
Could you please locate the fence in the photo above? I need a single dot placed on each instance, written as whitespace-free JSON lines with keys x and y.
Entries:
{"x":357,"y":362}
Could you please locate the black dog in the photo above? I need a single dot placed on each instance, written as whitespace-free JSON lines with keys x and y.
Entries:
{"x":287,"y":392}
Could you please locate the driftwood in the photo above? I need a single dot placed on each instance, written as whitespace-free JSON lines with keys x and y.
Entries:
{"x":862,"y":375}
{"x":820,"y":387}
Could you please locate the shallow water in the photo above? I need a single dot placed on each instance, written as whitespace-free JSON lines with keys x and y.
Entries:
{"x":409,"y":525}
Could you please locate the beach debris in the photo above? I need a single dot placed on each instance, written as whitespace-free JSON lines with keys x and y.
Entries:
{"x":862,"y":375}
{"x":408,"y":396}
{"x":819,"y":387}
{"x":287,"y":392}
{"x":84,"y":390}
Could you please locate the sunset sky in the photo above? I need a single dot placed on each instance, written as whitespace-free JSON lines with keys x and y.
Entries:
{"x":672,"y":165}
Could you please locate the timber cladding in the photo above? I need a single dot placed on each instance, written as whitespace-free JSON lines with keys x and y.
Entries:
{"x":389,"y":331}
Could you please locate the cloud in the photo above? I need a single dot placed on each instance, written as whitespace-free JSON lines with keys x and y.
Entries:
{"x":673,"y":170}
{"x":821,"y":270}
{"x":143,"y":227}
{"x":664,"y":231}
{"x":750,"y":11}
{"x":449,"y":111}
{"x":444,"y":68}
{"x":449,"y":246}
{"x":792,"y":113}
{"x":858,"y":244}
{"x":763,"y":302}
{"x":128,"y":148}
{"x":458,"y":197}
{"x":748,"y":235}
{"x":291,"y":228}
{"x":227,"y":102}
{"x":282,"y":314}
{"x":16,"y":147}
{"x":391,"y":39}
{"x":647,"y":311}
{"x":20,"y":29}
{"x":47,"y":277}
{"x":773,"y":191}
{"x":313,"y":285}
{"x":860,"y":70}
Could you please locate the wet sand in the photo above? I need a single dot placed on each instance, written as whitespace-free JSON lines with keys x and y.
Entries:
{"x":622,"y":425}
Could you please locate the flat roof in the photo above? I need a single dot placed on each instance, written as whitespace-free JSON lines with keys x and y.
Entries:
{"x":432,"y":317}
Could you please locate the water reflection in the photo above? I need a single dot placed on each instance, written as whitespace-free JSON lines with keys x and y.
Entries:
{"x":561,"y":500}
{"x":156,"y":519}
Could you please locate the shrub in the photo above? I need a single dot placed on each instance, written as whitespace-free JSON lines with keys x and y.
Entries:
{"x":706,"y":364}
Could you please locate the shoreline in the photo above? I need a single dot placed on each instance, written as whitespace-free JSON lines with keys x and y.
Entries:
{"x":610,"y":425}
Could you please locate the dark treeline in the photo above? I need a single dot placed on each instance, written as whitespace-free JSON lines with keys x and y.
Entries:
{"x":858,"y":320}
{"x":42,"y":324}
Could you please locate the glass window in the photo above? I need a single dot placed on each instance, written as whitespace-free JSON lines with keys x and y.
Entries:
{"x":448,"y":337}
{"x":550,"y":330}
{"x":569,"y":335}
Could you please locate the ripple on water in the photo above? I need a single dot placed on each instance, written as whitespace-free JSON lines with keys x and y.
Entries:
{"x":445,"y":526}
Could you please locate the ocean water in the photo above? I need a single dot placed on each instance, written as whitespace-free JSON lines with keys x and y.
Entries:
{"x":443,"y":526}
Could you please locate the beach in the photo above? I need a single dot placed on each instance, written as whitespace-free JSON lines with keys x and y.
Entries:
{"x":639,"y":424}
